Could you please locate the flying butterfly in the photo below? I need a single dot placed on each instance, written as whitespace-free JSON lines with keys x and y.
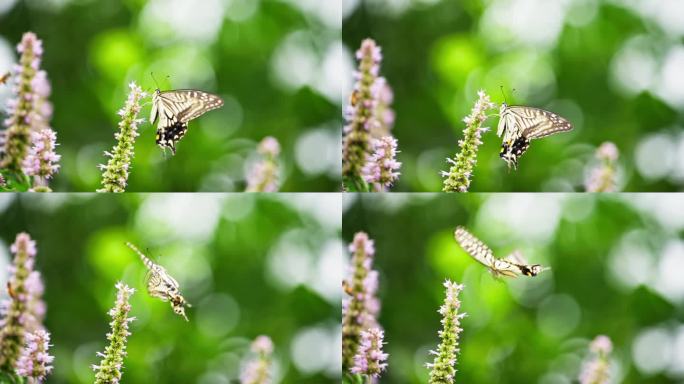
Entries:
{"x":512,"y":265}
{"x":4,"y":78}
{"x":518,"y":125}
{"x":161,"y":285}
{"x":175,"y":108}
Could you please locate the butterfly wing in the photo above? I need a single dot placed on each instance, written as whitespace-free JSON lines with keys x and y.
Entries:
{"x":189,"y":104}
{"x":508,"y":128}
{"x":535,"y":123}
{"x":482,"y":253}
{"x":156,"y":287}
{"x":174,"y":109}
{"x":516,"y":257}
{"x":519,"y":125}
{"x":474,"y":247}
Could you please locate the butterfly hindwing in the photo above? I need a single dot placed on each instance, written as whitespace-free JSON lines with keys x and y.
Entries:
{"x":167,"y":137}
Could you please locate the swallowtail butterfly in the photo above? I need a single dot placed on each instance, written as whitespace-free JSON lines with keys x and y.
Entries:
{"x":161,"y":285}
{"x":174,"y":109}
{"x":518,"y":125}
{"x":511,"y":266}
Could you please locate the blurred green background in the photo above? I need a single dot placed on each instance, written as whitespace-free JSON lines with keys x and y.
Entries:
{"x":248,"y":264}
{"x":613,"y":68}
{"x":272,"y":61}
{"x":616,"y":267}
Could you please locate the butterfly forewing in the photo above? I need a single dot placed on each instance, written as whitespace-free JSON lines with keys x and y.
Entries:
{"x":189,"y":104}
{"x":474,"y":247}
{"x":537,"y":123}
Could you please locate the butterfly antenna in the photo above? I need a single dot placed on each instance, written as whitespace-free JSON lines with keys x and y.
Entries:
{"x":135,"y":249}
{"x":503,"y":94}
{"x":155,"y":80}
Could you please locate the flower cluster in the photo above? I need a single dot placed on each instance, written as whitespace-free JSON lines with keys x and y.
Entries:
{"x":264,"y":175}
{"x":370,"y":359}
{"x":369,"y":117}
{"x":29,"y":111}
{"x":115,"y":173}
{"x":383,"y":112}
{"x":24,"y":310}
{"x":111,"y":365}
{"x":361,"y":307}
{"x":603,"y":177}
{"x":258,"y":370}
{"x":381,"y":168}
{"x":458,"y":177}
{"x":597,"y":369}
{"x":442,"y":369}
{"x":41,"y":161}
{"x":34,"y":362}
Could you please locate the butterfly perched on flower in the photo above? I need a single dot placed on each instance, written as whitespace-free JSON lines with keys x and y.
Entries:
{"x":512,"y":265}
{"x":175,"y":108}
{"x":518,"y":125}
{"x":161,"y":285}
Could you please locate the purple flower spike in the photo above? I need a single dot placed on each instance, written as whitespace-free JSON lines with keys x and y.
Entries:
{"x":368,"y":116}
{"x":24,"y":310}
{"x":41,"y":161}
{"x":361,"y":306}
{"x":381,"y":169}
{"x":34,"y":362}
{"x":383,"y":109}
{"x":29,"y":110}
{"x":370,"y":359}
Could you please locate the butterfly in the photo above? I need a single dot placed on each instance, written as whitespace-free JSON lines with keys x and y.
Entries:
{"x":4,"y":78}
{"x":519,"y":125}
{"x":161,"y":285}
{"x":512,"y":265}
{"x":174,"y":109}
